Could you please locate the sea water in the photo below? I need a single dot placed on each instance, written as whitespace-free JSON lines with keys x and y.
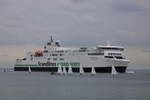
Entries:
{"x":104,"y":86}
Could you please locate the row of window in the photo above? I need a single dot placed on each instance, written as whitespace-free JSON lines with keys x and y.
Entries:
{"x":56,"y":54}
{"x":95,"y":53}
{"x":113,"y":49}
{"x":114,"y":53}
{"x":117,"y":57}
{"x":56,"y":59}
{"x":62,"y":59}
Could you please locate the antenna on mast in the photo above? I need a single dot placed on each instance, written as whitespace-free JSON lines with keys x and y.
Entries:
{"x":51,"y":39}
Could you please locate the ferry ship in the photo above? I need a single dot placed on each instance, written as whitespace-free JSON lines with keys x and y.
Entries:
{"x":54,"y":58}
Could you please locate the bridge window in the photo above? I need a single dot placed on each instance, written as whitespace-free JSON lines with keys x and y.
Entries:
{"x":114,"y":53}
{"x":95,"y":53}
{"x":121,"y":49}
{"x":54,"y":58}
{"x":108,"y":56}
{"x":119,"y":57}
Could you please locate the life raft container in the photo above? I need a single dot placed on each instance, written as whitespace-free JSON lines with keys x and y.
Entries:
{"x":38,"y":53}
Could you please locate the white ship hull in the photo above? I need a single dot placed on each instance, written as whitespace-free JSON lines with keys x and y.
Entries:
{"x":102,"y":65}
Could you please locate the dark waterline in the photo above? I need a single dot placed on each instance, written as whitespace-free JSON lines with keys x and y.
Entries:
{"x":43,"y":86}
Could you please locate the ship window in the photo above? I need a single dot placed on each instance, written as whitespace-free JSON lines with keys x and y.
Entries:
{"x":54,"y":58}
{"x":113,"y":49}
{"x":24,"y":59}
{"x":108,"y":56}
{"x":48,"y":58}
{"x":119,"y":57}
{"x":31,"y":58}
{"x":114,"y":53}
{"x":61,"y":54}
{"x":95,"y":53}
{"x":61,"y":51}
{"x":48,"y":43}
{"x":82,"y":50}
{"x":61,"y":58}
{"x":45,"y":51}
{"x":54,"y":54}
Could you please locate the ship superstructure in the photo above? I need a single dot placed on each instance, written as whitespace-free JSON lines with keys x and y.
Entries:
{"x":55,"y":58}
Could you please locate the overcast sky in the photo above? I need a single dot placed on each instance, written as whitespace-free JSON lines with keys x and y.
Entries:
{"x":75,"y":22}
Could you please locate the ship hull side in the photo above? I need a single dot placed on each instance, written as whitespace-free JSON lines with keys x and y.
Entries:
{"x":119,"y":69}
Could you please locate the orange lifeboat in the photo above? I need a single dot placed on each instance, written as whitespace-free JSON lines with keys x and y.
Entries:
{"x":38,"y":53}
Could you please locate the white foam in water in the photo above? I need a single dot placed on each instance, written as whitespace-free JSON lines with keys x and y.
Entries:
{"x":113,"y":71}
{"x":130,"y":72}
{"x":60,"y":70}
{"x":64,"y":70}
{"x":70,"y":70}
{"x":29,"y":69}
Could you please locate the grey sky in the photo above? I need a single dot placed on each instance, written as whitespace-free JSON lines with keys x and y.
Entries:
{"x":75,"y":22}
